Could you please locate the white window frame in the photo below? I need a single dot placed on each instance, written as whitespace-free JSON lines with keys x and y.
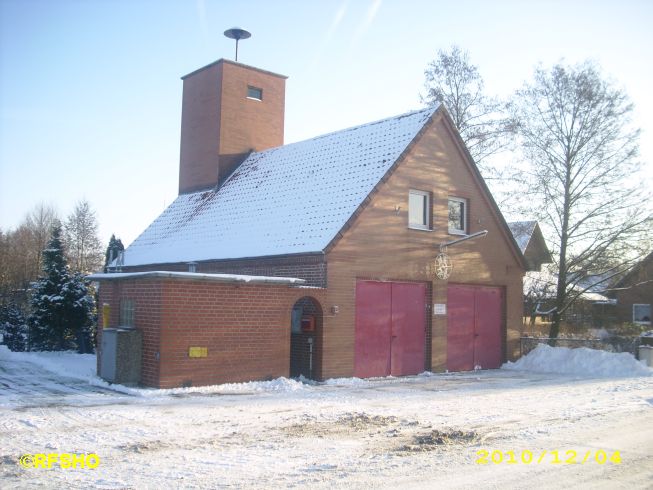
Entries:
{"x":425,"y":212}
{"x":251,"y":97}
{"x":640,"y":322}
{"x":464,"y":202}
{"x":127,"y":315}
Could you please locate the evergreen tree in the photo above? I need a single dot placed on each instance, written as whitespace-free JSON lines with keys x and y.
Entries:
{"x":62,"y":309}
{"x":80,"y":311}
{"x":13,"y":327}
{"x":113,"y":250}
{"x":48,"y":328}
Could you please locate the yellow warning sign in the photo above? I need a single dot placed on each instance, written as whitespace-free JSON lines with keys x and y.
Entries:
{"x":198,"y":352}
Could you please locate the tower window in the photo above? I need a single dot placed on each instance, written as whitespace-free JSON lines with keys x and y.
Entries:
{"x":254,"y":93}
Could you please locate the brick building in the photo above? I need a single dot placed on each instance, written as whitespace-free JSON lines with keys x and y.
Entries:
{"x":358,"y":215}
{"x":634,"y":294}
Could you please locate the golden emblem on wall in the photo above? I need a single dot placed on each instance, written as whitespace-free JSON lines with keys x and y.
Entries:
{"x":441,"y":267}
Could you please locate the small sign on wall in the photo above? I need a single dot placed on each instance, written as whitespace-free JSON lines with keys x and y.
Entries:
{"x":439,"y":309}
{"x":198,"y":352}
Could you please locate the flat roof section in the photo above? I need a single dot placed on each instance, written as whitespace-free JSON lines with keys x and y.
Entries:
{"x":197,"y":276}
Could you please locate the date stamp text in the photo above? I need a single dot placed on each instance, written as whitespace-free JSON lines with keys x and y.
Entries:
{"x":570,"y":456}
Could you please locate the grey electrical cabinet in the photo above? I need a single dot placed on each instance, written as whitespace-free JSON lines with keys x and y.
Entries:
{"x":121,"y":354}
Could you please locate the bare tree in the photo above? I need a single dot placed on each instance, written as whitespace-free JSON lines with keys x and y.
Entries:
{"x":580,"y":176}
{"x":19,"y":261}
{"x":451,"y":79}
{"x":38,"y":223}
{"x":21,"y":251}
{"x":85,"y":250}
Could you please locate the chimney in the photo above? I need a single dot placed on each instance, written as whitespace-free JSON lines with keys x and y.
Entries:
{"x":228,"y":110}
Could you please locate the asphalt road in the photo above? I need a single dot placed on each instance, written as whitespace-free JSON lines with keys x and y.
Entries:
{"x":24,"y":385}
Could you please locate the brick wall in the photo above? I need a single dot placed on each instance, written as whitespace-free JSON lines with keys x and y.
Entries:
{"x":200,"y":125}
{"x":380,"y":246}
{"x":246,"y":328}
{"x":312,"y":268}
{"x":247,"y":124}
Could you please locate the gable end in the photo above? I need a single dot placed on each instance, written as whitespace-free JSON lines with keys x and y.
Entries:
{"x":485,"y":191}
{"x":383,"y":180}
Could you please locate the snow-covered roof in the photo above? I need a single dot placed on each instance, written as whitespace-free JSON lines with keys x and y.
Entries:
{"x":196,"y":276}
{"x":285,"y":200}
{"x":522,"y":231}
{"x":543,"y":285}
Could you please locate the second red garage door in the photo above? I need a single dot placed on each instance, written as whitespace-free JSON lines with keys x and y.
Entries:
{"x":390,"y":328}
{"x":474,"y":325}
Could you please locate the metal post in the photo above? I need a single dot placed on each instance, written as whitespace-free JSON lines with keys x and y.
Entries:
{"x":237,"y":34}
{"x":310,"y":357}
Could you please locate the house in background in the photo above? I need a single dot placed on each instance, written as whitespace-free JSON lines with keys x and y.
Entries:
{"x":634,"y":294}
{"x":592,"y":307}
{"x":531,"y":242}
{"x":349,"y":223}
{"x":601,"y":301}
{"x":539,"y":286}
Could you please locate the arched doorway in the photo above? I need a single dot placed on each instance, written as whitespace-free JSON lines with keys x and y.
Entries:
{"x":306,"y":338}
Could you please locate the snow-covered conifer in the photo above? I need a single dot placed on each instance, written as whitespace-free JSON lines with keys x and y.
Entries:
{"x":62,"y":308}
{"x":13,"y":327}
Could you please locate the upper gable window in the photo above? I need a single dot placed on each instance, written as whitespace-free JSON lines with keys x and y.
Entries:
{"x":642,"y":314}
{"x":419,"y":210}
{"x":254,"y":93}
{"x":457,"y":216}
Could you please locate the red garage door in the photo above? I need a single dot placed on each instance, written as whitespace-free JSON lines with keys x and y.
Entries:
{"x":390,"y":328}
{"x":475,"y":318}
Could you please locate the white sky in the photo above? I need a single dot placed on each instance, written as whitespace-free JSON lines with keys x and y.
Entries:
{"x":90,"y":92}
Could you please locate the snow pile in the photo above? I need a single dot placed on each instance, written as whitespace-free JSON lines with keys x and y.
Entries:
{"x":581,"y":361}
{"x":5,"y":353}
{"x":66,"y":363}
{"x":279,"y":385}
{"x":349,"y":382}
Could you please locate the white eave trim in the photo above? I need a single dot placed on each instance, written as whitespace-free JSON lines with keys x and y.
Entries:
{"x":196,"y":276}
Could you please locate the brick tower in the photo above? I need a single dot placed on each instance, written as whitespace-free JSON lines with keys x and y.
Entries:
{"x":228,"y":110}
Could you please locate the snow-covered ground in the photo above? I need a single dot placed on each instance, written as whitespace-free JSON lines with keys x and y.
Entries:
{"x":416,"y":432}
